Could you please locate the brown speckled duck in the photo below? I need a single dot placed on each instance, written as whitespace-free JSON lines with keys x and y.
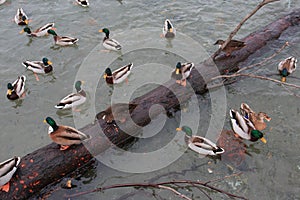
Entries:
{"x":233,"y":45}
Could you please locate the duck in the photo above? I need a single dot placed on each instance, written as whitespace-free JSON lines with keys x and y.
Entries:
{"x":40,"y":32}
{"x":286,"y":67}
{"x":118,"y":75}
{"x":117,"y":112}
{"x":257,"y":119}
{"x":233,"y":45}
{"x":16,"y":90}
{"x":83,"y":3}
{"x":200,"y":144}
{"x":244,"y":128}
{"x":168,"y":30}
{"x":108,"y":43}
{"x":39,"y":67}
{"x":73,"y":99}
{"x":2,"y":2}
{"x":21,"y":18}
{"x":7,"y":170}
{"x":182,"y":72}
{"x":62,"y":41}
{"x":65,"y":136}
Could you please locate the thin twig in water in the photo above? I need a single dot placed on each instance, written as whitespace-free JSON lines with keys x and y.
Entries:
{"x":265,"y":60}
{"x":269,"y":79}
{"x":174,"y":191}
{"x":233,"y":33}
{"x":159,"y":185}
{"x":290,"y":91}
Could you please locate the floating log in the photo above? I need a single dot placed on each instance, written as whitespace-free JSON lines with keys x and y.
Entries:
{"x":48,"y":164}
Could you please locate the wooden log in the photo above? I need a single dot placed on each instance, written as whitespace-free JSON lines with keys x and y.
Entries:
{"x":48,"y":164}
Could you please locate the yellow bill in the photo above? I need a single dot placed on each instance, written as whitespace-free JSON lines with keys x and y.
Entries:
{"x":263,"y":140}
{"x":101,"y":30}
{"x":178,"y":129}
{"x":177,"y":71}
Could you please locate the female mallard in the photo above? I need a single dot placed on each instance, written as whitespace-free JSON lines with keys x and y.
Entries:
{"x":7,"y":170}
{"x":200,"y":144}
{"x":118,"y":75}
{"x":62,"y":41}
{"x":83,"y":3}
{"x":21,"y":18}
{"x":287,"y":67}
{"x":38,"y":67}
{"x":40,"y":32}
{"x":65,"y":136}
{"x":109,"y":43}
{"x":244,"y":128}
{"x":233,"y":45}
{"x":117,"y":112}
{"x":168,"y":30}
{"x":73,"y":99}
{"x":17,"y":89}
{"x":182,"y":72}
{"x":256,"y":118}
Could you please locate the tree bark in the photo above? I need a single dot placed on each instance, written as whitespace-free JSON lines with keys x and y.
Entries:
{"x":48,"y":164}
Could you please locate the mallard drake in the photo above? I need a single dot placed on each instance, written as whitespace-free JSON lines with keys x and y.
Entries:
{"x":83,"y":3}
{"x":109,"y":43}
{"x":40,"y":32}
{"x":256,"y":118}
{"x":73,"y":99}
{"x":168,"y":30}
{"x":21,"y":18}
{"x":233,"y":45}
{"x":7,"y":170}
{"x":200,"y":144}
{"x":62,"y":41}
{"x":38,"y":67}
{"x":17,"y":89}
{"x":65,"y":136}
{"x":182,"y":72}
{"x":118,"y":75}
{"x":286,"y":67}
{"x":244,"y":128}
{"x":117,"y":112}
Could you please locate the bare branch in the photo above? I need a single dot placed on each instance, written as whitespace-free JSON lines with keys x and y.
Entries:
{"x":174,"y":191}
{"x":233,"y":33}
{"x":265,"y":60}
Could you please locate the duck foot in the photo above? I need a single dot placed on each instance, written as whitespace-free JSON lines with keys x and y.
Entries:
{"x":5,"y":187}
{"x":36,"y":77}
{"x":63,"y":147}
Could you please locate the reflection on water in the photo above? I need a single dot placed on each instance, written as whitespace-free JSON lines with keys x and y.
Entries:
{"x":273,"y":167}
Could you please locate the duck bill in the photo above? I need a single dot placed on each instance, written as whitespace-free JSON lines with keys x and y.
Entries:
{"x":49,"y":63}
{"x":178,"y":129}
{"x":283,"y":79}
{"x":9,"y":92}
{"x":22,"y":31}
{"x":45,"y":121}
{"x":171,"y":30}
{"x":177,"y":71}
{"x":101,"y":30}
{"x":26,"y":21}
{"x":104,"y":76}
{"x":263,"y":140}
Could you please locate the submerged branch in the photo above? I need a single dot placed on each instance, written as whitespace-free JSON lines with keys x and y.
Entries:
{"x":162,"y":185}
